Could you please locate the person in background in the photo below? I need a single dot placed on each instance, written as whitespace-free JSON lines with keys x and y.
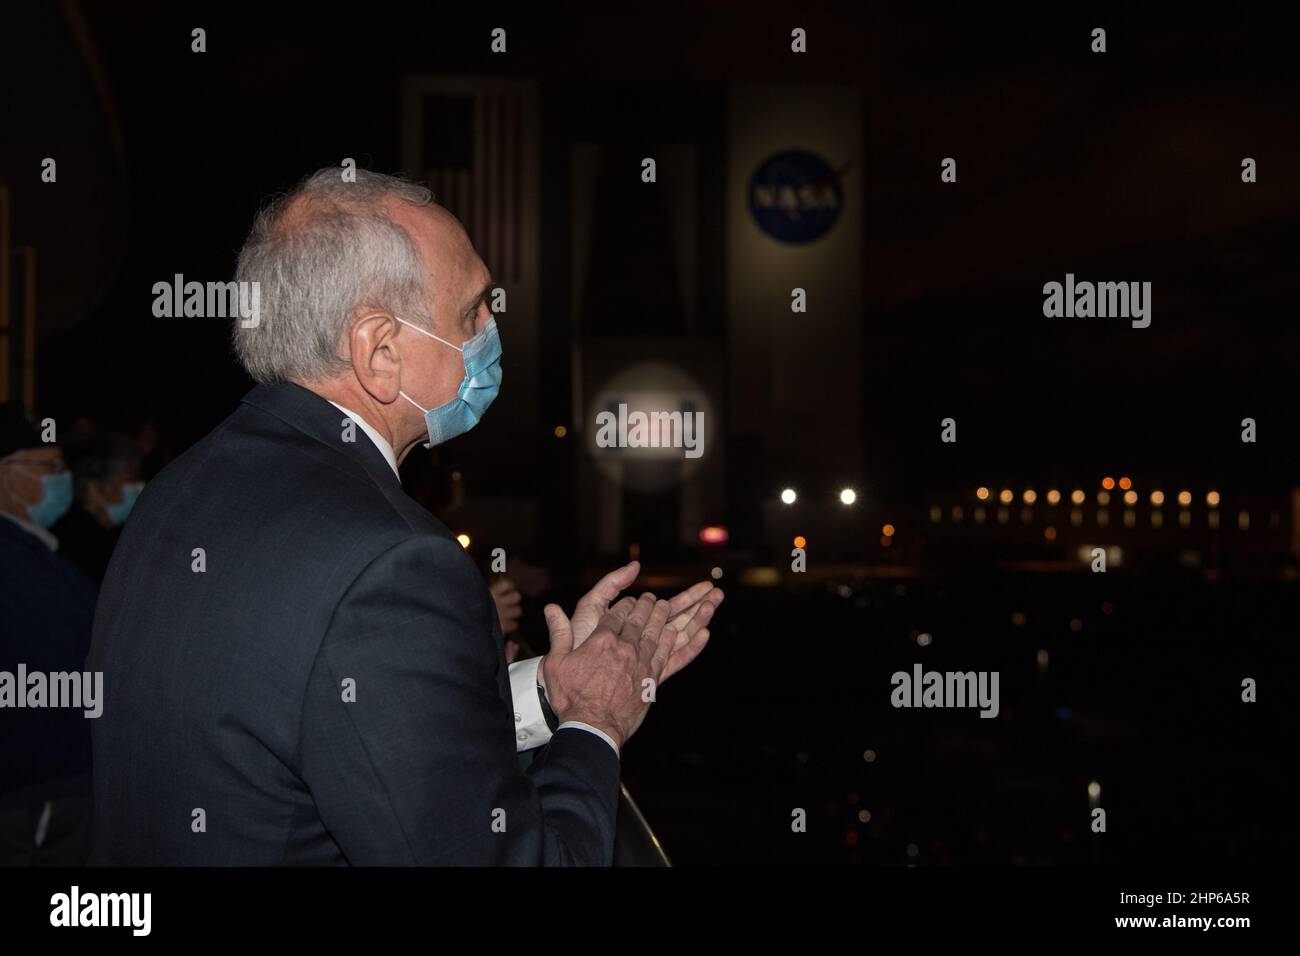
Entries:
{"x":46,"y":613}
{"x":508,"y":593}
{"x":106,"y":483}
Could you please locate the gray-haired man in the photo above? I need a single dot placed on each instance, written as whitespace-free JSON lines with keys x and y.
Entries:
{"x":301,"y":665}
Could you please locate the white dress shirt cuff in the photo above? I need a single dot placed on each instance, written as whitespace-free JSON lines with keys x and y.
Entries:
{"x":530,"y":724}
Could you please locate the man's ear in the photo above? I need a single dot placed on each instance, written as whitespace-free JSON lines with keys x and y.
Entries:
{"x":375,"y":355}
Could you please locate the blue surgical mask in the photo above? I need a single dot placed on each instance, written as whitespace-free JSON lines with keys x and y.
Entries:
{"x":56,"y":499}
{"x":482,"y":358}
{"x":130,"y":492}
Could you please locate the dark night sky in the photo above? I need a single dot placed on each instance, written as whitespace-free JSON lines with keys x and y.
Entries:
{"x":1122,"y":166}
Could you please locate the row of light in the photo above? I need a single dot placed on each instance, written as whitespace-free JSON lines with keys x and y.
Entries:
{"x":1078,"y":497}
{"x":847,"y":496}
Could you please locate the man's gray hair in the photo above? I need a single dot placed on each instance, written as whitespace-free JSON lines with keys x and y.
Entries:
{"x":320,"y":254}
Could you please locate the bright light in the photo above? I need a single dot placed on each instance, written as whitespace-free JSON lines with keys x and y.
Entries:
{"x":1077,"y":496}
{"x":1130,"y":497}
{"x":1094,"y":790}
{"x":1125,"y":484}
{"x":788,"y":496}
{"x":1053,"y":497}
{"x":848,"y":496}
{"x":1212,"y":499}
{"x":1157,"y":498}
{"x":1184,"y":498}
{"x":982,"y":493}
{"x":1007,"y":496}
{"x":1030,"y":496}
{"x":560,"y":431}
{"x":464,"y":540}
{"x":800,"y":541}
{"x":887,"y":531}
{"x":713,"y":534}
{"x":1108,"y":483}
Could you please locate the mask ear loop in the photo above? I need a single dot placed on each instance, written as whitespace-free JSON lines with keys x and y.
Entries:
{"x":429,"y":334}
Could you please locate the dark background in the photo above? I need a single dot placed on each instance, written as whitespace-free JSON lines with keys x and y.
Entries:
{"x":1119,"y":166}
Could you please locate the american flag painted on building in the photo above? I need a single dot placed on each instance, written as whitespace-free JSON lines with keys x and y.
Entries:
{"x":473,"y":152}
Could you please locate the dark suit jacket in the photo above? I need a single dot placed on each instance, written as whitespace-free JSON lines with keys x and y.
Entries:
{"x":46,"y":609}
{"x":225,"y":688}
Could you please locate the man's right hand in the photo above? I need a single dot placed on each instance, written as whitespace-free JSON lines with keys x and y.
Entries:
{"x":689,"y":612}
{"x":603,"y":681}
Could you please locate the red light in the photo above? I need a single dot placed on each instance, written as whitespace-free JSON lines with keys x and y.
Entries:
{"x":713,"y":534}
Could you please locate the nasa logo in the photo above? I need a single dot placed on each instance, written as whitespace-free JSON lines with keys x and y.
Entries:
{"x":795,"y":196}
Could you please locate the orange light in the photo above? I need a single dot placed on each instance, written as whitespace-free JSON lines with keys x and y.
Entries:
{"x":1053,"y":497}
{"x":1030,"y":496}
{"x":1184,"y":498}
{"x":1049,"y":534}
{"x":1125,"y":484}
{"x":982,"y":493}
{"x":560,"y":431}
{"x":1007,"y":496}
{"x":634,"y":551}
{"x":1108,"y":483}
{"x":887,"y":531}
{"x":1212,"y":499}
{"x":1077,"y":496}
{"x":800,"y":541}
{"x":713,"y":534}
{"x":1130,"y":497}
{"x":1157,"y":498}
